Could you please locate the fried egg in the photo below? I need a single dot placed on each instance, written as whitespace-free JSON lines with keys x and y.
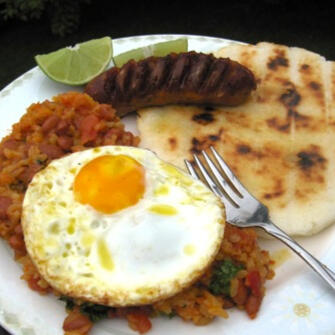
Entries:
{"x":116,"y":225}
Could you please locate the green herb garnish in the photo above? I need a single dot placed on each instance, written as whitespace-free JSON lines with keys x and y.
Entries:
{"x":69,"y":303}
{"x":223,"y":273}
{"x":41,"y":162}
{"x":93,"y":311}
{"x":169,"y":315}
{"x":18,"y":186}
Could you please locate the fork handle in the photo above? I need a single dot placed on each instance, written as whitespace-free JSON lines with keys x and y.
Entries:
{"x":322,"y":270}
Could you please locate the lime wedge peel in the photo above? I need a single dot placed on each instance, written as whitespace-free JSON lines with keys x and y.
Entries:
{"x":160,"y":49}
{"x":79,"y":64}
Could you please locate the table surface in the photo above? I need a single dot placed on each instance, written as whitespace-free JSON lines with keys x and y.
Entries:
{"x":304,"y":24}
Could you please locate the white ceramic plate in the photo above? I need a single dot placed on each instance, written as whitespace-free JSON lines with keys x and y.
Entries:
{"x":297,"y":302}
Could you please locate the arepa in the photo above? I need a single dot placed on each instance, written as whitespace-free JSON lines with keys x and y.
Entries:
{"x":280,"y":142}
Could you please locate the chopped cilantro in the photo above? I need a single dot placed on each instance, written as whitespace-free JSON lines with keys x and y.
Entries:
{"x":94,"y":312}
{"x":69,"y":303}
{"x":41,"y":161}
{"x":169,"y":315}
{"x":18,"y":186}
{"x":223,"y":273}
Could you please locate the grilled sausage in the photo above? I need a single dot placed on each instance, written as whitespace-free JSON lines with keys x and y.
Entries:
{"x":185,"y":78}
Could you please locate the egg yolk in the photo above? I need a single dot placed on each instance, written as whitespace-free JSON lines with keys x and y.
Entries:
{"x":110,"y":183}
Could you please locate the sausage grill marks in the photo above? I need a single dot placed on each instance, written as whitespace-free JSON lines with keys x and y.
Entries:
{"x":184,"y":78}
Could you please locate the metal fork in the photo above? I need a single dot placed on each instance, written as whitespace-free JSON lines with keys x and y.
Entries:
{"x":244,"y":210}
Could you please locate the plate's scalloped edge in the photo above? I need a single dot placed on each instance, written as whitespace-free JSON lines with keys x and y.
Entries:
{"x":166,"y":37}
{"x":13,"y":324}
{"x":10,"y":321}
{"x":17,"y":82}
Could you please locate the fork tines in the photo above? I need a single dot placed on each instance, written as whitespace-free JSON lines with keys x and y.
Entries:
{"x":223,"y":187}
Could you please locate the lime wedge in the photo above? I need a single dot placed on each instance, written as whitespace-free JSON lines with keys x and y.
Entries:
{"x":79,"y":64}
{"x":160,"y":49}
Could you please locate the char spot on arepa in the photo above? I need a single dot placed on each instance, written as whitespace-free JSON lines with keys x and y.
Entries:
{"x":204,"y":143}
{"x":294,"y":114}
{"x":280,"y":125}
{"x":214,"y":138}
{"x":283,"y":82}
{"x":291,"y":98}
{"x":304,"y":67}
{"x":195,"y":149}
{"x":173,"y":143}
{"x":314,"y":85}
{"x":278,"y":60}
{"x":272,"y":195}
{"x":203,"y":118}
{"x":243,"y":149}
{"x":287,"y":83}
{"x":209,"y":108}
{"x":199,"y":145}
{"x":301,"y":120}
{"x":310,"y":159}
{"x":277,"y":190}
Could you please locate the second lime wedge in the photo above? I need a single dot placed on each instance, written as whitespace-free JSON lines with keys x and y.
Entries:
{"x":160,"y":49}
{"x":79,"y":64}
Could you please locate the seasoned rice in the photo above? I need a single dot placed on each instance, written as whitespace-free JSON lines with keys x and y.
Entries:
{"x":72,"y":122}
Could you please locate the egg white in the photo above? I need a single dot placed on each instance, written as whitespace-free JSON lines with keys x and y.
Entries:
{"x":138,"y":255}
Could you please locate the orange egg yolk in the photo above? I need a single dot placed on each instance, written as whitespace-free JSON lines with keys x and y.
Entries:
{"x":110,"y":183}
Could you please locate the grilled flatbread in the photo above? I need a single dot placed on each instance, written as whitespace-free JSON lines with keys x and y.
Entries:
{"x":280,"y":143}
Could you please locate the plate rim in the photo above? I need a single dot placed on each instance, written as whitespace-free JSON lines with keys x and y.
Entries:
{"x":25,"y":329}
